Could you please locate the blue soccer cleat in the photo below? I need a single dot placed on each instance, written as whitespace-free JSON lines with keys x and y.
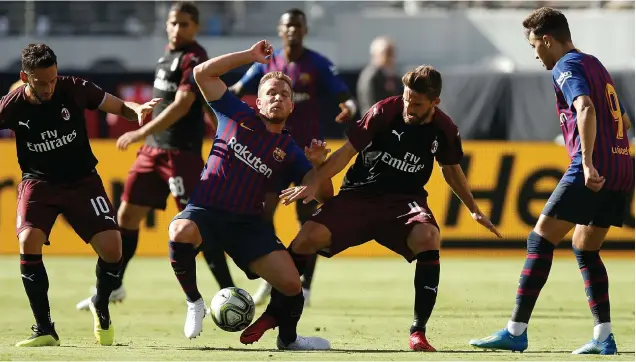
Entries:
{"x":503,"y":340}
{"x":608,"y":346}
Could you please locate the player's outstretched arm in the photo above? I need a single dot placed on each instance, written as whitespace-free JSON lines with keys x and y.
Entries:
{"x":312,"y":181}
{"x":207,"y":74}
{"x":170,"y":115}
{"x":455,"y":178}
{"x":132,"y":111}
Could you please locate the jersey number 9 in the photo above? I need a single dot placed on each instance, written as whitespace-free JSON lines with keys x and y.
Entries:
{"x":614,"y":108}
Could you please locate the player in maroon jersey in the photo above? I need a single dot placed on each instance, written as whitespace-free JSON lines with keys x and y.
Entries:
{"x":59,"y":177}
{"x":594,"y":192}
{"x":170,"y":160}
{"x":382,"y":196}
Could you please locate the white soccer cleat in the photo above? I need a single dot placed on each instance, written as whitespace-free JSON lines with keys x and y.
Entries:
{"x":264,"y":290}
{"x":116,"y":295}
{"x":305,"y":344}
{"x":194,"y":318}
{"x":306,"y":294}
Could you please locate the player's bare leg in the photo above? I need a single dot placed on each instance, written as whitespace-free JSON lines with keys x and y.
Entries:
{"x":269,"y":209}
{"x":424,"y":242}
{"x":547,"y":233}
{"x":586,"y":243}
{"x":107,"y":245}
{"x":286,"y":305}
{"x":129,"y":217}
{"x":36,"y":285}
{"x":303,"y":214}
{"x":185,"y":238}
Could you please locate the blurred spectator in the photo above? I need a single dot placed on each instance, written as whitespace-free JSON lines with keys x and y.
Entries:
{"x":4,"y":25}
{"x":378,"y":80}
{"x":43,"y":25}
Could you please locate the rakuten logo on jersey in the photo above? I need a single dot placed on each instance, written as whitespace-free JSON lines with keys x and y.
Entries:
{"x":408,"y":164}
{"x":242,"y":153}
{"x":51,"y":141}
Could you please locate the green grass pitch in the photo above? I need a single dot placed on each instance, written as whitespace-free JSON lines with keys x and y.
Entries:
{"x":363,"y":306}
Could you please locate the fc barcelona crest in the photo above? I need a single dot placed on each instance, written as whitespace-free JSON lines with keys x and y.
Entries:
{"x":66,"y":115}
{"x":279,"y":155}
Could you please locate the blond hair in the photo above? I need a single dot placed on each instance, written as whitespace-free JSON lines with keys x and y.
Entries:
{"x":275,"y":75}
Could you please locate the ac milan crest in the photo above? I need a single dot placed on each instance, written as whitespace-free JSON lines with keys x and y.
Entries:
{"x":65,"y":114}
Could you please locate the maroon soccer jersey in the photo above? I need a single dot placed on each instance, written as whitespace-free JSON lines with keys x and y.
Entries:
{"x":51,"y":138}
{"x":174,"y":73}
{"x":396,"y":156}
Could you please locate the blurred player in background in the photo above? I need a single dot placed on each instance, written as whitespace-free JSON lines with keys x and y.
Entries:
{"x":311,"y":75}
{"x":59,"y":177}
{"x":170,"y":160}
{"x":250,"y":150}
{"x":382,"y":197}
{"x":594,"y":192}
{"x":378,"y":80}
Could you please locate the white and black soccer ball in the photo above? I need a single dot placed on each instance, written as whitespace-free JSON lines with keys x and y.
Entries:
{"x":232,"y":309}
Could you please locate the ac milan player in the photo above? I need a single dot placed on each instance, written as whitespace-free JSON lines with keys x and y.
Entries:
{"x":251,"y":151}
{"x":398,"y":140}
{"x":170,"y":161}
{"x":59,"y":177}
{"x":312,"y":76}
{"x":594,"y":191}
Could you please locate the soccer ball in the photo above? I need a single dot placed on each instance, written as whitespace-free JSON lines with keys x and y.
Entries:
{"x":232,"y":309}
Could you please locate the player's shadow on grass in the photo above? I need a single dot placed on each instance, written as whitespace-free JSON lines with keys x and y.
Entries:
{"x":333,"y":350}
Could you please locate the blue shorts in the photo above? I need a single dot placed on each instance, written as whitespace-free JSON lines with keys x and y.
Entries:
{"x":579,"y":205}
{"x":245,"y":238}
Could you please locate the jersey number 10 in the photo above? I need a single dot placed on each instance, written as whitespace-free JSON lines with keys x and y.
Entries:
{"x":615,"y":109}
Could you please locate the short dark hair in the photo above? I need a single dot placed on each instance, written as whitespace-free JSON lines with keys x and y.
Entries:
{"x":187,"y":7}
{"x":297,"y":12}
{"x":424,"y":80}
{"x":36,"y":56}
{"x":548,"y":21}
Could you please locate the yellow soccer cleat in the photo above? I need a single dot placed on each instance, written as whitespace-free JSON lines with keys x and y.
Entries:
{"x":103,"y":327}
{"x":41,"y":338}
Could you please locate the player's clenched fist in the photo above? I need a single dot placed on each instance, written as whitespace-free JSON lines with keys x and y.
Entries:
{"x":261,"y":51}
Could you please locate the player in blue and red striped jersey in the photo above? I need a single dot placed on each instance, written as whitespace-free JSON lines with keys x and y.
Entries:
{"x":313,"y":76}
{"x":594,"y":192}
{"x":250,"y":152}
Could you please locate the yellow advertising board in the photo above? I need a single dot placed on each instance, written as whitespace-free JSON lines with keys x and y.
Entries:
{"x":511,"y":181}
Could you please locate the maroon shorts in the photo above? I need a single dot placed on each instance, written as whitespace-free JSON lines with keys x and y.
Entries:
{"x":354,"y":218}
{"x":158,"y":173}
{"x":84,"y":204}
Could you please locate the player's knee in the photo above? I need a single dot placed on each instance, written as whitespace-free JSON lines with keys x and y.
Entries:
{"x":184,"y":231}
{"x":31,"y":241}
{"x":130,"y":216}
{"x":423,"y":237}
{"x":107,"y":244}
{"x":311,"y":238}
{"x":289,"y":285}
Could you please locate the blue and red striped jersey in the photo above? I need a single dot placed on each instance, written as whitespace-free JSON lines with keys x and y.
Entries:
{"x":245,"y":160}
{"x":577,"y":74}
{"x":312,"y":76}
